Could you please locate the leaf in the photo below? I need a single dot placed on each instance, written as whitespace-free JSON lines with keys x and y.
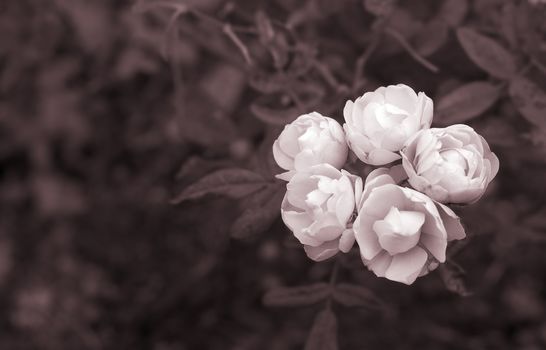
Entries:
{"x":263,"y":208}
{"x":233,"y":182}
{"x":431,"y":37}
{"x":452,"y":275}
{"x":268,"y":83}
{"x":323,"y":334}
{"x":275,"y":116}
{"x":379,"y":8}
{"x":529,"y":99}
{"x":466,"y":102}
{"x":453,"y":12}
{"x":297,"y":296}
{"x":486,"y":53}
{"x":352,"y":295}
{"x":199,"y":120}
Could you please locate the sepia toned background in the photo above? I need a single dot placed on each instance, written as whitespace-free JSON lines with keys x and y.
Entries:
{"x":110,"y":109}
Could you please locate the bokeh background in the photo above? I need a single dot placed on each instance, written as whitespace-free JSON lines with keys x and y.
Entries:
{"x":108,"y":111}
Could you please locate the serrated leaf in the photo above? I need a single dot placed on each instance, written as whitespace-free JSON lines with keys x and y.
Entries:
{"x":234,"y":183}
{"x":323,"y":334}
{"x":452,"y":275}
{"x":486,"y":53}
{"x":530,"y":100}
{"x":466,"y":102}
{"x":262,"y":209}
{"x":297,"y":296}
{"x":275,"y":116}
{"x":352,"y":295}
{"x":453,"y":12}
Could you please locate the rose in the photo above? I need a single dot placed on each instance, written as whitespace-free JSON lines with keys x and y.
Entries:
{"x":451,"y":165}
{"x":309,"y":140}
{"x":378,"y":123}
{"x":317,"y":208}
{"x":402,"y":233}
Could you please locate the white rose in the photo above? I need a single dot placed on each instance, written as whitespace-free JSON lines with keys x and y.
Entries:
{"x":379,"y":123}
{"x":318,"y":206}
{"x":402,"y":234}
{"x":450,"y":165}
{"x":309,"y":140}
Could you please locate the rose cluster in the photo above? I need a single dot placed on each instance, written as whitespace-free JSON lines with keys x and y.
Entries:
{"x":398,"y":216}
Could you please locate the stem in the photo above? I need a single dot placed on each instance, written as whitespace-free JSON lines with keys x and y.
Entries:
{"x":362,"y":60}
{"x":328,"y":76}
{"x":538,"y":65}
{"x":228,"y":30}
{"x":165,"y":47}
{"x":333,"y":279}
{"x":416,"y":56}
{"x":333,"y":275}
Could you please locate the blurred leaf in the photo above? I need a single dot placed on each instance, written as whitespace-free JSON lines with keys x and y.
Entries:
{"x":352,"y":295}
{"x":201,"y":121}
{"x":453,"y":12}
{"x":196,"y":167}
{"x":508,"y":24}
{"x":262,"y":208}
{"x":453,"y":277}
{"x":268,"y":83}
{"x":466,"y":102}
{"x":235,"y":183}
{"x":214,"y":82}
{"x":297,"y":296}
{"x":529,"y":99}
{"x":314,"y":10}
{"x":486,"y":53}
{"x":323,"y":334}
{"x":498,"y":132}
{"x":275,"y":116}
{"x":431,"y":37}
{"x":530,"y":30}
{"x":379,"y":8}
{"x":536,"y":220}
{"x":263,"y":159}
{"x":275,"y":42}
{"x":265,"y":28}
{"x":91,"y":21}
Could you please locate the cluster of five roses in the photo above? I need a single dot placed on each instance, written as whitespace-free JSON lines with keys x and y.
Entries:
{"x":399,"y":215}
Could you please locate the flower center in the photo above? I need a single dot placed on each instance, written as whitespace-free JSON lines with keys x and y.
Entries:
{"x":399,"y":231}
{"x":455,"y":161}
{"x":389,"y":115}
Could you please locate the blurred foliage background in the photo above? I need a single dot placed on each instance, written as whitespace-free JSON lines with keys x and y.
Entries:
{"x":108,"y":110}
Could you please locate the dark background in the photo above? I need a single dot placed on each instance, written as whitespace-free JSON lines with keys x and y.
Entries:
{"x":100,"y":110}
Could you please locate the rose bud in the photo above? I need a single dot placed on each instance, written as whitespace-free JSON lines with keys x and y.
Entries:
{"x":379,"y":123}
{"x":318,"y":206}
{"x":450,"y":165}
{"x":402,"y":234}
{"x":309,"y":140}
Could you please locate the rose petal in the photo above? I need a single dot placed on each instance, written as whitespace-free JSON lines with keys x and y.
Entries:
{"x":365,"y":236}
{"x":347,"y":240}
{"x":288,"y":141}
{"x":405,"y":267}
{"x":435,"y":245}
{"x":379,"y":264}
{"x":402,"y":96}
{"x":379,"y":156}
{"x":322,"y":252}
{"x":452,"y":223}
{"x":282,"y":159}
